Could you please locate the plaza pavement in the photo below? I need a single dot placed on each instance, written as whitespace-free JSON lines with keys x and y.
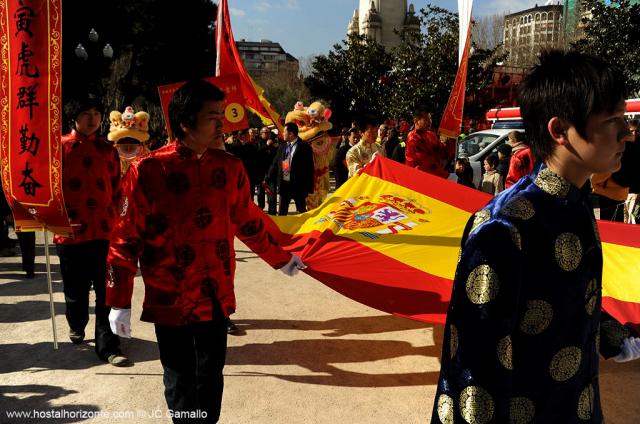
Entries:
{"x":305,"y":354}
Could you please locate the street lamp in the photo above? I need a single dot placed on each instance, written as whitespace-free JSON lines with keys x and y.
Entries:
{"x":81,"y":52}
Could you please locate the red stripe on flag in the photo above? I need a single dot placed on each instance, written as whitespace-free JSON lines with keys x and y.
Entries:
{"x":372,"y":278}
{"x":618,"y":233}
{"x":446,"y":191}
{"x":621,"y":310}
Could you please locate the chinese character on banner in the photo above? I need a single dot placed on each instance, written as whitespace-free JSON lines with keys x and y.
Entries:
{"x":30,"y":114}
{"x":235,"y":115}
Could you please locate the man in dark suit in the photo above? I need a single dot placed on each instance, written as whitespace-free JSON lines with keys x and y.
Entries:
{"x":292,"y":170}
{"x":341,"y":171}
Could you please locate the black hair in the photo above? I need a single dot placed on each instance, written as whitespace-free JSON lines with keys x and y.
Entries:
{"x":366,"y":122}
{"x":571,"y":86}
{"x":505,"y":149}
{"x":75,"y":106}
{"x":492,"y":160}
{"x":421,"y":110}
{"x":292,"y":128}
{"x":187,"y":101}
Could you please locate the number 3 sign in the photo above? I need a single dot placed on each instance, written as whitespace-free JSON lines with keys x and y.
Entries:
{"x":235,"y":116}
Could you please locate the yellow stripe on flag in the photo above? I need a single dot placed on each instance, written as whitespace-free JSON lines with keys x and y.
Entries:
{"x":424,"y":233}
{"x":620,"y":272}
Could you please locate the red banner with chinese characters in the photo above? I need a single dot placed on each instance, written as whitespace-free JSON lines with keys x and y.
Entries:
{"x":235,"y":117}
{"x":452,"y":117}
{"x":30,"y":114}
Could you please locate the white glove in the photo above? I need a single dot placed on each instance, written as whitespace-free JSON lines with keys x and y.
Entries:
{"x":630,"y":350}
{"x":120,"y":322}
{"x":294,"y":266}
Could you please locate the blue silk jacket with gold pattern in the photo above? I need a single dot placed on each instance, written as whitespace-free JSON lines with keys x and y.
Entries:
{"x":523,"y":329}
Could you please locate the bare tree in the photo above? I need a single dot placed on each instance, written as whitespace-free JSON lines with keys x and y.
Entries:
{"x":283,"y":89}
{"x":488,"y":30}
{"x":306,"y":65}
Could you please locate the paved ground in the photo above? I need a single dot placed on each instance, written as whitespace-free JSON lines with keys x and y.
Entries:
{"x":306,"y":355}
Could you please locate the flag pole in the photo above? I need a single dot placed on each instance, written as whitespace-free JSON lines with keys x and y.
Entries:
{"x":53,"y":313}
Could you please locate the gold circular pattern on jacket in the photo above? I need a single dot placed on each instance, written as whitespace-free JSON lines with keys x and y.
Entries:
{"x":519,"y":207}
{"x":445,"y":409}
{"x":516,"y":237}
{"x":537,"y":317}
{"x":521,"y":410}
{"x":565,"y":363}
{"x":553,"y":184}
{"x":590,"y":296}
{"x":479,"y":218}
{"x":505,"y":352}
{"x":585,"y":403}
{"x":453,"y":342}
{"x":568,"y":251}
{"x":482,"y":285}
{"x":476,"y":405}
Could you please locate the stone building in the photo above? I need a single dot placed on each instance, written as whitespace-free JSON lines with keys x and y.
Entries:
{"x":265,"y":56}
{"x":529,"y":31}
{"x":380,"y":19}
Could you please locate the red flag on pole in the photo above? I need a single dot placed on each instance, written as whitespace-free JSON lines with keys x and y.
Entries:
{"x":30,"y":115}
{"x":228,"y":61}
{"x":452,"y":117}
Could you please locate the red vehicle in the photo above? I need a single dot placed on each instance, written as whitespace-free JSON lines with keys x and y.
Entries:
{"x":509,"y":117}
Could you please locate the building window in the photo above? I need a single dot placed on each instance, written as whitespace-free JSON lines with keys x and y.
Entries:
{"x":537,"y":17}
{"x":544,"y":16}
{"x":551,"y":16}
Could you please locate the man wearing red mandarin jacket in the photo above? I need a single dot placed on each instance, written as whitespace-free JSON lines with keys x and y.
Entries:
{"x":91,"y":189}
{"x":182,"y":206}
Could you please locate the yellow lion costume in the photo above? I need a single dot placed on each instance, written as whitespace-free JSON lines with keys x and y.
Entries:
{"x":313,"y":125}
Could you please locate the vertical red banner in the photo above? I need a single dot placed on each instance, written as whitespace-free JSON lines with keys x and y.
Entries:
{"x":30,"y":113}
{"x":451,"y":122}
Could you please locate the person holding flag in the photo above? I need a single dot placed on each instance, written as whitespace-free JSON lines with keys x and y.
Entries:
{"x":182,"y":206}
{"x":524,"y":325}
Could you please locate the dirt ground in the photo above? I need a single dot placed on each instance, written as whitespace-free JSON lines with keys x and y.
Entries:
{"x":305,"y":354}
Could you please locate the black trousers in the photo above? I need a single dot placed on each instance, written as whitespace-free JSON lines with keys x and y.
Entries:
{"x":84,"y":265}
{"x":28,"y":250}
{"x":286,"y":195}
{"x":192,"y":358}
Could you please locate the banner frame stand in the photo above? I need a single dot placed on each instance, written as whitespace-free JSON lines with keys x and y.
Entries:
{"x":50,"y":285}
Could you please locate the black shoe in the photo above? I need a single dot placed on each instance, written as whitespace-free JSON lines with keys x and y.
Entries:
{"x":76,"y":337}
{"x":231,"y":327}
{"x":118,"y":360}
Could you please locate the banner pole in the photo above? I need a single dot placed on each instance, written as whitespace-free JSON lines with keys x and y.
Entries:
{"x":53,"y":313}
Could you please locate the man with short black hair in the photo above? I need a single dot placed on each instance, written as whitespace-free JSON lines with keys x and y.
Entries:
{"x":292,"y":170}
{"x":423,"y":149}
{"x":364,"y":151}
{"x":182,"y":206}
{"x":91,"y":189}
{"x":525,"y":325}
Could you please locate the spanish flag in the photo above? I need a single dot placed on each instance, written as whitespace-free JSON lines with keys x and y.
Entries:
{"x":390,"y":239}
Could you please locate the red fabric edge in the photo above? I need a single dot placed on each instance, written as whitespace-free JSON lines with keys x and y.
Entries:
{"x":619,"y":233}
{"x":620,"y":309}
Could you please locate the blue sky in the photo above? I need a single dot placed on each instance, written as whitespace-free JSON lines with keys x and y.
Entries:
{"x":310,"y":27}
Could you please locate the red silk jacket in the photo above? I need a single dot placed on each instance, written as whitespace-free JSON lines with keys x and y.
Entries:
{"x":90,"y":186}
{"x":179,"y":216}
{"x":521,"y":164}
{"x":425,"y":152}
